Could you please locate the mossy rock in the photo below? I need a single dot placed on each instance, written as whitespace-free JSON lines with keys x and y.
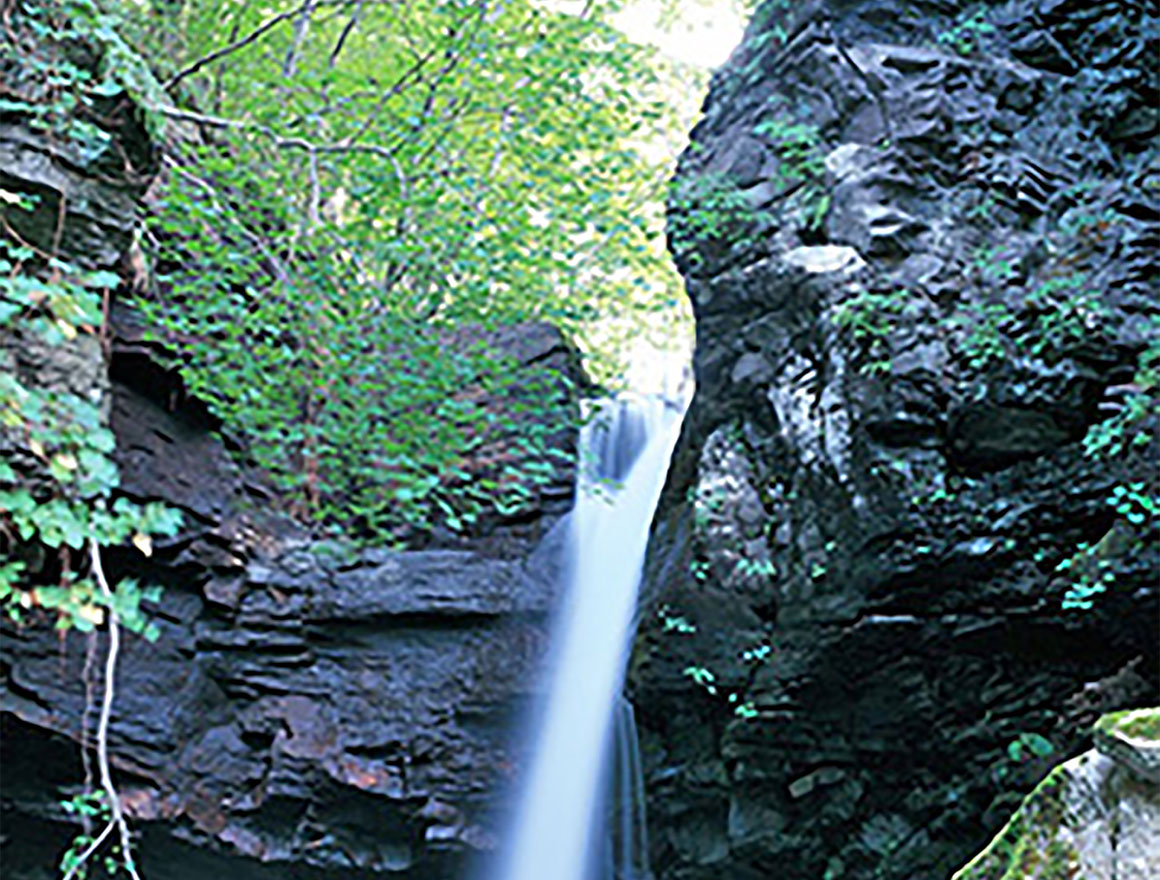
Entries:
{"x":1132,"y":738}
{"x":1092,"y":818}
{"x":1138,"y":724}
{"x":1029,"y":846}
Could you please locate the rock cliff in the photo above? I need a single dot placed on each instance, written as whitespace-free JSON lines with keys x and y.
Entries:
{"x":311,"y":708}
{"x":908,"y":548}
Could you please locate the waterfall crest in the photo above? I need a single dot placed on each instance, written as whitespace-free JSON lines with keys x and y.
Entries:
{"x":625,"y":451}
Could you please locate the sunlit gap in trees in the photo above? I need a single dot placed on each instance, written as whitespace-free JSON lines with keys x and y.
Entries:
{"x":694,"y":38}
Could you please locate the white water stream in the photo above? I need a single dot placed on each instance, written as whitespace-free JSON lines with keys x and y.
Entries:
{"x":561,"y":831}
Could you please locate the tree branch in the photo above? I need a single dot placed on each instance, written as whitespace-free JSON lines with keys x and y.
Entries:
{"x":118,"y":820}
{"x":300,"y":32}
{"x":249,"y":38}
{"x":283,"y":143}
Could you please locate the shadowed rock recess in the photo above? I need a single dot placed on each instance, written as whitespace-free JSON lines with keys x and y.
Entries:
{"x":886,"y":589}
{"x":311,"y":709}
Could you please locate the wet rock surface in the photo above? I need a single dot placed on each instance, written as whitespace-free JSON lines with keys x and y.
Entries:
{"x":311,"y":707}
{"x":895,"y":573}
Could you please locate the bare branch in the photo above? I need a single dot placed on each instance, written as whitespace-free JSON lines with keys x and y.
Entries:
{"x":118,"y":820}
{"x":89,"y":850}
{"x":256,"y":240}
{"x":285,"y":143}
{"x":251,"y":37}
{"x":300,"y":32}
{"x":346,"y":31}
{"x":87,"y":678}
{"x":315,"y":192}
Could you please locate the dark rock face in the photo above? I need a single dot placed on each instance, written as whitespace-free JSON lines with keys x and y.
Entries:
{"x":918,"y":239}
{"x":84,"y":209}
{"x":310,"y":709}
{"x":313,"y":708}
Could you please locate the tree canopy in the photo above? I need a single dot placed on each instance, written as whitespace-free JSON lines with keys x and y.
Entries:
{"x":345,"y":177}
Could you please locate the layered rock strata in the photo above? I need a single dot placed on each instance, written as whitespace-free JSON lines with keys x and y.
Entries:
{"x":311,"y":708}
{"x":908,"y":548}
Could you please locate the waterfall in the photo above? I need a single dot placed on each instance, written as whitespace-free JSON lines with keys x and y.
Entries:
{"x":628,"y":843}
{"x":560,"y":828}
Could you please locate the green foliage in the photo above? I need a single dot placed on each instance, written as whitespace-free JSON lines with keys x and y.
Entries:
{"x":1134,"y":504}
{"x":1137,"y":723}
{"x":768,"y":24}
{"x":937,"y":496}
{"x":1112,"y":437}
{"x":458,"y":161}
{"x":983,"y":328}
{"x":376,"y":175}
{"x":708,"y":212}
{"x":92,"y":809}
{"x":675,"y":623}
{"x":755,"y":567}
{"x":1088,"y":572}
{"x":870,"y":317}
{"x":1091,"y":569}
{"x":867,"y":314}
{"x":1088,"y":575}
{"x":797,"y":144}
{"x":746,"y":711}
{"x":371,"y":422}
{"x":758,"y":654}
{"x":801,"y":167}
{"x":49,"y":82}
{"x":969,"y":32}
{"x":1029,"y":745}
{"x":62,"y":494}
{"x":702,"y":677}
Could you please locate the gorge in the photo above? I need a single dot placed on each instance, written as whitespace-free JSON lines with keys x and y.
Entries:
{"x":903,"y":558}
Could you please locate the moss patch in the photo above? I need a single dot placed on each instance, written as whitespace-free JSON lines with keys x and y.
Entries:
{"x":1029,"y":846}
{"x":1135,"y":723}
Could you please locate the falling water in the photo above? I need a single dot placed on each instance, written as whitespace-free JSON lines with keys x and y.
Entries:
{"x":627,"y":847}
{"x":625,"y":451}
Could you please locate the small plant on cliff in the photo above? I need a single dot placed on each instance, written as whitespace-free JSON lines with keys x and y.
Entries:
{"x":1126,"y":429}
{"x":59,"y":504}
{"x":798,"y":146}
{"x":58,"y":508}
{"x":968,"y":34}
{"x":870,"y":316}
{"x":708,"y":213}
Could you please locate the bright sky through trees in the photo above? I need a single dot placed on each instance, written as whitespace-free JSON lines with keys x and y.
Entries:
{"x":700,"y":34}
{"x":706,"y":32}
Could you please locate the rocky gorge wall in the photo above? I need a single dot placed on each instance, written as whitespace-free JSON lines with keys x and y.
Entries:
{"x":907,"y":552}
{"x":311,"y":708}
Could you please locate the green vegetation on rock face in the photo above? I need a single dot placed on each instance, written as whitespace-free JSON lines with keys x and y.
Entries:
{"x":1028,"y":847}
{"x":355,"y":198}
{"x":58,"y":481}
{"x":1135,"y":723}
{"x":1088,"y":816}
{"x":61,"y":506}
